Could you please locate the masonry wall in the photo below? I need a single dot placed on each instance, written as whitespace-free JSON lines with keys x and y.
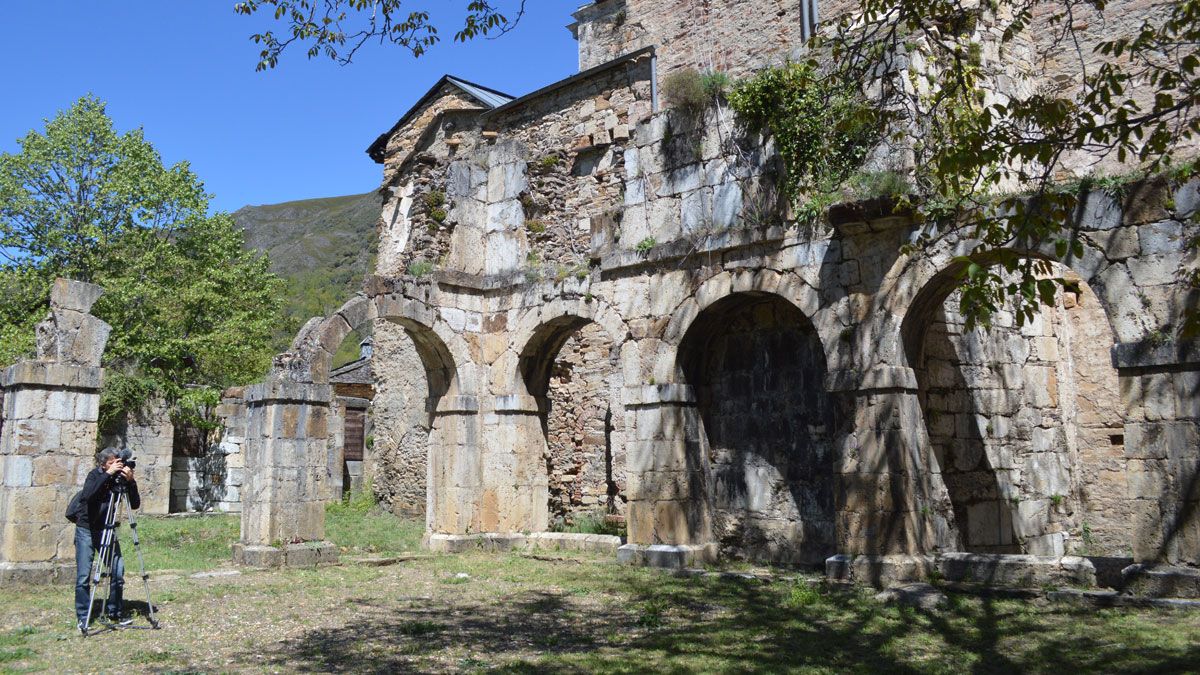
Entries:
{"x":681,"y":214}
{"x":1027,"y":428}
{"x":585,"y":440}
{"x":397,"y":458}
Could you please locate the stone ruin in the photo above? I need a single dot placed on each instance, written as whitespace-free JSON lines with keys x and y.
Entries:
{"x":48,"y":437}
{"x":587,"y":303}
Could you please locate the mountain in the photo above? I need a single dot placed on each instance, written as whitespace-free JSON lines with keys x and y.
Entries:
{"x":322,"y":247}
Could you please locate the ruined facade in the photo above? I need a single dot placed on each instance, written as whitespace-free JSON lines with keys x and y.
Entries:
{"x":768,"y":391}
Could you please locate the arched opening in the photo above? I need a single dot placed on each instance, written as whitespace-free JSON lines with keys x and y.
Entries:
{"x":1025,"y":422}
{"x":412,"y":371}
{"x":758,"y":369}
{"x":570,"y":368}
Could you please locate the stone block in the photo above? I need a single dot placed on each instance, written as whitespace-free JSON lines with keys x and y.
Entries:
{"x":248,"y":555}
{"x":19,"y":575}
{"x":73,"y":295}
{"x":1161,"y":581}
{"x":18,"y":471}
{"x":879,"y":571}
{"x":667,"y":556}
{"x":1023,"y":571}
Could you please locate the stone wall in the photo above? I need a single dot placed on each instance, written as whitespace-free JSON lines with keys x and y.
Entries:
{"x":1027,"y":428}
{"x":584,"y":439}
{"x":397,"y":458}
{"x":149,"y":434}
{"x":208,"y":468}
{"x":759,"y":375}
{"x":808,"y":422}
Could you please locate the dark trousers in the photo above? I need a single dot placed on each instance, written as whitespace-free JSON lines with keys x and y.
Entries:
{"x":87,"y":543}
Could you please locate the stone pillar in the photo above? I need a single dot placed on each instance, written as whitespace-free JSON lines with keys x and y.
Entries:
{"x":515,"y":487}
{"x":668,"y":479}
{"x":1160,"y":386}
{"x":283,"y":504}
{"x":893,"y":509}
{"x":48,"y":440}
{"x":455,"y":468}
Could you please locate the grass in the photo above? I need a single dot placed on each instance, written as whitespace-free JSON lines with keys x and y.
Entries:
{"x":514,"y":613}
{"x":204,"y":542}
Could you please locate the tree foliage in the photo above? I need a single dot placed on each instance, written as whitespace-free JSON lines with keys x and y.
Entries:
{"x":339,"y":28}
{"x":191,"y":310}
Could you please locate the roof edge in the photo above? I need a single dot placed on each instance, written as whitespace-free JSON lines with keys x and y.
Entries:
{"x":375,"y":150}
{"x":582,"y":75}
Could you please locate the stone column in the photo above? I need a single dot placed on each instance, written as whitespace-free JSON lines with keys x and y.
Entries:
{"x":893,"y":510}
{"x":283,"y":505}
{"x":1160,"y":385}
{"x":515,"y":487}
{"x":670,"y":514}
{"x":48,"y":440}
{"x":454,"y":468}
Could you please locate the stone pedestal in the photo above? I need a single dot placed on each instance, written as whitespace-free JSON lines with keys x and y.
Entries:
{"x":283,"y":506}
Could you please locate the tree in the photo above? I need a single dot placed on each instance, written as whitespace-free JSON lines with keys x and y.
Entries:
{"x":338,"y":28}
{"x":192,"y":311}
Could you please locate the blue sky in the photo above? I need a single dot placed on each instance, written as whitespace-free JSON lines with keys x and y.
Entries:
{"x":184,"y":71}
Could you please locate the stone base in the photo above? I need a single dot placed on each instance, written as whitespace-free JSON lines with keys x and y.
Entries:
{"x":307,"y":554}
{"x":460,"y":543}
{"x":670,"y":557}
{"x":1161,"y":581}
{"x":494,"y":541}
{"x":879,"y":571}
{"x":29,"y":574}
{"x":1022,"y":571}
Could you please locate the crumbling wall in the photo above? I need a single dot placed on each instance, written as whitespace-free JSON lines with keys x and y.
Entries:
{"x":208,"y":468}
{"x":397,"y":456}
{"x":149,"y":434}
{"x":584,"y":438}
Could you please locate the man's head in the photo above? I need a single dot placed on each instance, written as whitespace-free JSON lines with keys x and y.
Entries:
{"x":106,"y":457}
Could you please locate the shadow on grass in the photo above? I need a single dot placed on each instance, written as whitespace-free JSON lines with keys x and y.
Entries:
{"x":705,"y":625}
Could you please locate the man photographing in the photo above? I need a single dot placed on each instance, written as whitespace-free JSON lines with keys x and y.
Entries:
{"x":90,"y":511}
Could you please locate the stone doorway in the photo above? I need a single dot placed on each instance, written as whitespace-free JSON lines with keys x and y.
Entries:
{"x":758,"y":369}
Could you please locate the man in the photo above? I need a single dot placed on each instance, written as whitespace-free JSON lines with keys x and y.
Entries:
{"x":91,"y":511}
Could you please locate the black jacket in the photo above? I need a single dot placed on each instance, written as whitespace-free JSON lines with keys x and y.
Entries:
{"x":95,"y":493}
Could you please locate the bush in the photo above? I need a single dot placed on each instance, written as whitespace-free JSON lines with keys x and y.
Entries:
{"x":420,"y":268}
{"x":685,"y":90}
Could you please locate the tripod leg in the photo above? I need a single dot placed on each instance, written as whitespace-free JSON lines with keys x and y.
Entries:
{"x":100,"y":560}
{"x":137,"y":547}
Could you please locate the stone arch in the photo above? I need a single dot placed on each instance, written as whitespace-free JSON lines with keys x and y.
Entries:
{"x":789,"y":287}
{"x":569,"y":364}
{"x":547,"y":321}
{"x":766,"y":425}
{"x":1025,"y":423}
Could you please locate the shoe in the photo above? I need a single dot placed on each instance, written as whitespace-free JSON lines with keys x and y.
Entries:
{"x":116,"y":620}
{"x":81,"y":627}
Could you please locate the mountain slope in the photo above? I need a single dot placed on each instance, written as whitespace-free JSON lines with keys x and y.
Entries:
{"x":322,"y":247}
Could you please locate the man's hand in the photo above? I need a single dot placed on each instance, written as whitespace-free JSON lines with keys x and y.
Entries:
{"x":127,"y":472}
{"x":114,"y":467}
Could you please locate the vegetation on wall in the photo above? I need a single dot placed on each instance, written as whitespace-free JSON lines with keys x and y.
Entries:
{"x":191,"y":309}
{"x":822,"y":128}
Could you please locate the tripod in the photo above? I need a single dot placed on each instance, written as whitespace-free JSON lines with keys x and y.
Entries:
{"x":105,"y":555}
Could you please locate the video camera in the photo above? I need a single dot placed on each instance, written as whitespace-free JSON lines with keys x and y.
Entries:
{"x":126,"y":457}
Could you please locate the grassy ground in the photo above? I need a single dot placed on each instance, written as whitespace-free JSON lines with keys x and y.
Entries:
{"x":551,"y":613}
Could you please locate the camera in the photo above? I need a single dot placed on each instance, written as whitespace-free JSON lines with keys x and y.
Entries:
{"x":126,"y":457}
